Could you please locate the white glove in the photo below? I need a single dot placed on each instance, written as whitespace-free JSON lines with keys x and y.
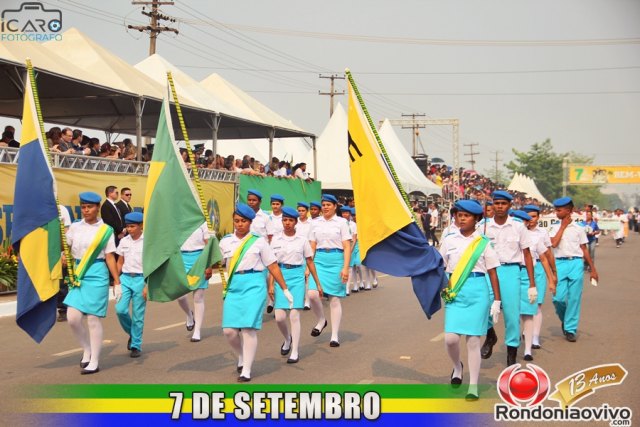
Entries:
{"x":289,"y":297}
{"x":117,"y":292}
{"x":533,"y":294}
{"x":495,"y":311}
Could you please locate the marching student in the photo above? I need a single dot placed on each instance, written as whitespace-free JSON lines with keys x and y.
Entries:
{"x":294,"y":255}
{"x":543,"y":275}
{"x":569,"y":241}
{"x":132,"y":291}
{"x":259,"y":224}
{"x":315,"y":209}
{"x":331,"y":241}
{"x":355,"y":271}
{"x":511,"y":241}
{"x":303,"y":228}
{"x":248,"y":257}
{"x":469,"y":258}
{"x":274,"y":227}
{"x":92,"y":245}
{"x":370,"y":278}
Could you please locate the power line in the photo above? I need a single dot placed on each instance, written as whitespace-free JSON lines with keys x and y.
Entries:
{"x":472,"y":153}
{"x":332,"y":91}
{"x":153,"y":28}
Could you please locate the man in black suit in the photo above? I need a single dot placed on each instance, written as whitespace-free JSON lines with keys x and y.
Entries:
{"x":111,"y":215}
{"x":124,"y":205}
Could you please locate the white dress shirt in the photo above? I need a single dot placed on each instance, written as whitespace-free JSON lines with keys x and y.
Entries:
{"x":257,"y":257}
{"x":329,"y":233}
{"x":198,"y":239}
{"x":80,"y":236}
{"x":454,"y":245}
{"x":509,"y":240}
{"x":292,"y":250}
{"x":132,"y":252}
{"x":572,"y":237}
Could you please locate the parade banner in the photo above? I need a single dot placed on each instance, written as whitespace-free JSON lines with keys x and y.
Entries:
{"x":547,"y":221}
{"x":219,"y":195}
{"x":586,"y":174}
{"x":293,"y":190}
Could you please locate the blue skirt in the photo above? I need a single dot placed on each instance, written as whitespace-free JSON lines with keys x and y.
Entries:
{"x":355,"y":256}
{"x":468,"y":314}
{"x":541,"y":281}
{"x":245,"y":302}
{"x":190,"y":258}
{"x":92,"y":296}
{"x":526,"y":308}
{"x":328,"y":267}
{"x":294,"y":277}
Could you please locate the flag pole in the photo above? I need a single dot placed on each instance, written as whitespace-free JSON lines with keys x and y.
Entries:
{"x":194,"y":168}
{"x":63,"y":236}
{"x":396,"y":180}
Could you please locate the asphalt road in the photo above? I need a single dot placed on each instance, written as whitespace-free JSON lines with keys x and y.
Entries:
{"x":385,"y":338}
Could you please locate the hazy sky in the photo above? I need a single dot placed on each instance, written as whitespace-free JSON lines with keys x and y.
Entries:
{"x":513,"y":72}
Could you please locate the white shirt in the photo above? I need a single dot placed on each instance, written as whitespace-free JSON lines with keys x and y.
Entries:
{"x":65,"y":218}
{"x":538,"y":246}
{"x":454,"y":245}
{"x":303,"y":228}
{"x":80,"y":236}
{"x":353,"y":227}
{"x":452,"y":228}
{"x":329,"y":233}
{"x":572,"y":237}
{"x":291,"y":250}
{"x":257,"y":257}
{"x":259,"y":223}
{"x":274,"y":226}
{"x":132,"y":252}
{"x":619,"y":234}
{"x":434,"y":217}
{"x":301,"y":174}
{"x":197,"y":240}
{"x":508,"y":240}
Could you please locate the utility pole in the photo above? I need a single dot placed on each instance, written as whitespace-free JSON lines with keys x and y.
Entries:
{"x":414,"y":126}
{"x":332,"y":92}
{"x":472,"y":153}
{"x":153,"y":27}
{"x":496,"y":160}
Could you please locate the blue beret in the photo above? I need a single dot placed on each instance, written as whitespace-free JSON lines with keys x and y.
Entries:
{"x":303,"y":205}
{"x":471,"y":206}
{"x":531,"y":208}
{"x":501,"y":195}
{"x":290,"y":212}
{"x":316,"y":204}
{"x":353,"y":211}
{"x":133,"y":218}
{"x":562,"y":201}
{"x":329,"y":198}
{"x":90,"y":197}
{"x":245,"y":211}
{"x":489,"y":203}
{"x":345,"y":208}
{"x":255,"y":193}
{"x":521,"y":214}
{"x":277,"y":198}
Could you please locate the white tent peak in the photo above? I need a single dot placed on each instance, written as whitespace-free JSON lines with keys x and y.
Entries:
{"x":526,"y":185}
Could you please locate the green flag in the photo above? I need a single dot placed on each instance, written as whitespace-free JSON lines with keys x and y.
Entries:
{"x":172,"y":212}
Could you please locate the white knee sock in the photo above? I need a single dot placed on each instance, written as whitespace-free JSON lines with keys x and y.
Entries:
{"x":233,"y":338}
{"x":198,"y":311}
{"x":452,"y":344}
{"x":473,"y":353}
{"x":75,"y":320}
{"x":336,"y":317}
{"x":294,"y":317}
{"x":527,"y":330}
{"x":537,"y":326}
{"x":183,"y":302}
{"x":316,"y":307}
{"x":95,"y":339}
{"x":249,"y":350}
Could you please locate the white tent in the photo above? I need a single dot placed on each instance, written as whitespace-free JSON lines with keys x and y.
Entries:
{"x":333,"y":167}
{"x":526,"y":185}
{"x":410,"y":175}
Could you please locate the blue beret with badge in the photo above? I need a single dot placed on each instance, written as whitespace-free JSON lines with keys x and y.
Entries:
{"x":277,"y":198}
{"x":353,"y":211}
{"x":245,"y":211}
{"x":255,"y":193}
{"x":330,"y":198}
{"x":316,"y":204}
{"x":531,"y":208}
{"x":90,"y":197}
{"x":501,"y":195}
{"x":562,"y":201}
{"x":521,"y":215}
{"x":133,"y":218}
{"x":288,"y":212}
{"x":303,"y":205}
{"x":470,"y":206}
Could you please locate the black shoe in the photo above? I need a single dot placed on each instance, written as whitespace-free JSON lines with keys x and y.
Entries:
{"x":334,"y":344}
{"x":470,"y":397}
{"x":238,"y":369}
{"x":315,"y":331}
{"x":536,"y":346}
{"x":571,"y":337}
{"x":129,"y":343}
{"x":455,"y":381}
{"x":284,"y":352}
{"x":269,"y":309}
{"x":83,"y":364}
{"x":528,"y":358}
{"x":62,"y":316}
{"x":307,"y":308}
{"x":243,"y":379}
{"x":193,"y":325}
{"x":86,"y":371}
{"x":135,"y":353}
{"x":512,"y":353}
{"x":195,"y":340}
{"x":563,"y":331}
{"x":355,"y":291}
{"x":487,"y":348}
{"x":292,"y":360}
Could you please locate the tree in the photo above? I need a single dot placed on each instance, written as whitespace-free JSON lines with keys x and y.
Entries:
{"x":542,"y":165}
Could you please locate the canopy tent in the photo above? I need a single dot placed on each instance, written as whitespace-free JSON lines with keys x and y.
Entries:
{"x":98,"y":90}
{"x":526,"y":185}
{"x":294,"y":150}
{"x":411,"y":177}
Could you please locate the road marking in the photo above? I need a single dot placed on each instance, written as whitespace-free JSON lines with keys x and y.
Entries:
{"x":438,"y":337}
{"x":405,"y":357}
{"x":162,"y":328}
{"x":78,"y":350}
{"x":365,"y":382}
